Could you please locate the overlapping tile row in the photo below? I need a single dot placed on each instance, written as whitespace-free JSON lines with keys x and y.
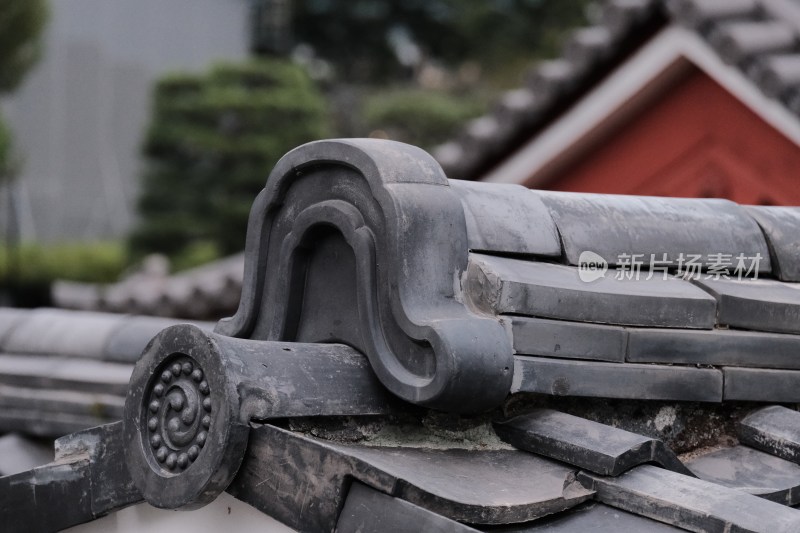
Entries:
{"x":452,"y":287}
{"x":207,"y":292}
{"x":640,"y":331}
{"x":560,"y":473}
{"x":63,"y":371}
{"x":758,"y":37}
{"x":604,"y":478}
{"x":372,"y":282}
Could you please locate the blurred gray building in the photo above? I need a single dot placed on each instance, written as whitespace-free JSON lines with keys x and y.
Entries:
{"x":79,"y":118}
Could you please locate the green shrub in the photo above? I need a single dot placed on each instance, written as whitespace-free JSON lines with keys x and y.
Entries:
{"x":195,"y":254}
{"x":211,"y":144}
{"x":5,"y":152}
{"x":420,"y":117}
{"x":38,"y":263}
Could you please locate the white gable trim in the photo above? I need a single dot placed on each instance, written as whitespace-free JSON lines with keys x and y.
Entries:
{"x":664,"y":58}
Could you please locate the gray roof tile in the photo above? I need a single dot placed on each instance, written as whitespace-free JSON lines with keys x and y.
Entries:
{"x":750,"y":470}
{"x":737,"y":42}
{"x":565,"y":377}
{"x":512,"y":286}
{"x":293,"y":427}
{"x":720,"y":347}
{"x":779,"y":225}
{"x":59,"y":332}
{"x":565,"y":339}
{"x":758,"y":304}
{"x":774,"y":429}
{"x":589,"y":445}
{"x":691,"y":503}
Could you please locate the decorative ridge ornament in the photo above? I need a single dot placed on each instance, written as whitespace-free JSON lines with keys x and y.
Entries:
{"x":182,"y":426}
{"x":193,"y":395}
{"x":374,"y":222}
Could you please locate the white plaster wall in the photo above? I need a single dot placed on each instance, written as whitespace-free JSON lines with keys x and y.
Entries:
{"x":226,"y":513}
{"x":80,"y":115}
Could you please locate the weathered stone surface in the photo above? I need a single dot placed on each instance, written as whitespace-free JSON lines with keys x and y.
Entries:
{"x":505,"y":285}
{"x":284,"y":471}
{"x":374,"y":224}
{"x":715,"y":347}
{"x":193,"y":394}
{"x":63,"y":333}
{"x":84,"y":482}
{"x":559,"y":338}
{"x":761,"y":304}
{"x":750,"y":470}
{"x":773,"y":429}
{"x":781,"y":226}
{"x":690,"y":503}
{"x":611,"y":225}
{"x":507,"y":219}
{"x":563,"y":377}
{"x":586,"y":444}
{"x":594,"y":517}
{"x":762,"y":385}
{"x":111,"y":486}
{"x":368,"y":511}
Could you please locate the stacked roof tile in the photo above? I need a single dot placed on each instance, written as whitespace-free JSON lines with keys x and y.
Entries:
{"x":63,"y":371}
{"x":411,"y":353}
{"x":202,"y":293}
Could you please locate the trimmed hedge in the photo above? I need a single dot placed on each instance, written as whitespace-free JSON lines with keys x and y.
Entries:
{"x":424,"y":118}
{"x":212,"y":142}
{"x":37,"y":263}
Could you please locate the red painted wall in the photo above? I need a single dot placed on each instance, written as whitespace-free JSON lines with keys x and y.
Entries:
{"x":697,"y":140}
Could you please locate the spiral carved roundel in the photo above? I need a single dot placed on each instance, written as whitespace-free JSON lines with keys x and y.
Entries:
{"x":178,"y":411}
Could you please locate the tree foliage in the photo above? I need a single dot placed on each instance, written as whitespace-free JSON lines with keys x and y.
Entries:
{"x":360,"y":37}
{"x":212,"y":142}
{"x":420,"y":117}
{"x":21,"y":25}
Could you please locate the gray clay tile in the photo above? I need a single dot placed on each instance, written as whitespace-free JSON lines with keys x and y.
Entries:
{"x":282,"y":471}
{"x":9,"y":319}
{"x":691,"y":503}
{"x":612,"y":225}
{"x":64,"y":333}
{"x":40,"y":402}
{"x":505,"y":285}
{"x":561,"y":338}
{"x":503,"y":218}
{"x":758,"y":304}
{"x":594,"y":517}
{"x":85,"y":482}
{"x":564,"y":377}
{"x":781,"y":225}
{"x":126,"y":343}
{"x":56,"y":372}
{"x":721,"y":347}
{"x":584,"y":443}
{"x":762,"y":384}
{"x":367,"y":510}
{"x":750,"y":470}
{"x":774,"y":429}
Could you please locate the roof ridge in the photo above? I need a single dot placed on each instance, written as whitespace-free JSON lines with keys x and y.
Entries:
{"x":590,"y":52}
